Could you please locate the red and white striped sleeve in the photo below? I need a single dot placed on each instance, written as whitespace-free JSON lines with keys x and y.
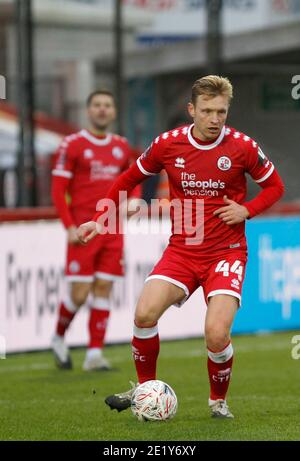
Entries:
{"x":258,"y":165}
{"x":65,"y":159}
{"x":150,"y":162}
{"x":61,"y":176}
{"x":262,"y":170}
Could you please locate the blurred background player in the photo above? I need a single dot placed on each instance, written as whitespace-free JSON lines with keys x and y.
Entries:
{"x":208,"y":161}
{"x":87,"y":164}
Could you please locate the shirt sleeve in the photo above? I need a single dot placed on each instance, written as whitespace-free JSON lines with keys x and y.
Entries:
{"x":262,"y":170}
{"x":136,"y":193}
{"x":150,"y":162}
{"x":59,"y":188}
{"x":125,"y":182}
{"x":65,"y":160}
{"x":61,"y":175}
{"x":272,"y":191}
{"x":257,"y":165}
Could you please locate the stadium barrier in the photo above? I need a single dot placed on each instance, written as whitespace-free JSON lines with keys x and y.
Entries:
{"x":31,"y":282}
{"x":271,"y":294}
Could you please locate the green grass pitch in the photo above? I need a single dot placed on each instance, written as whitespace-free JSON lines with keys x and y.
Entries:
{"x":38,"y":402}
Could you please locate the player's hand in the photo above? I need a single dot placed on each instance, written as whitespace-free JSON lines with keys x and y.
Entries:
{"x":72,"y":235}
{"x":232,"y":213}
{"x":133,"y":206}
{"x":87,"y":231}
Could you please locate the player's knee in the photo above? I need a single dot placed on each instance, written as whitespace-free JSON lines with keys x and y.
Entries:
{"x":102,"y":288}
{"x":217,"y":338}
{"x":79,"y":296}
{"x":146,"y":315}
{"x":145,"y":319}
{"x":79,"y":299}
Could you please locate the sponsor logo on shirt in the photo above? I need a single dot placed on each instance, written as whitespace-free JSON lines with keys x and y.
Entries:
{"x":180,"y":162}
{"x":88,"y":153}
{"x":117,"y":152}
{"x":100,"y":171}
{"x":224,"y":163}
{"x":204,"y":188}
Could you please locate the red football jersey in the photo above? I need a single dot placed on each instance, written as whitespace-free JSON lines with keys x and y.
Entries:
{"x":92,"y":164}
{"x":207,"y":171}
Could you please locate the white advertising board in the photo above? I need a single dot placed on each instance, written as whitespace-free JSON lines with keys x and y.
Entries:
{"x":175,"y":19}
{"x":32,"y":282}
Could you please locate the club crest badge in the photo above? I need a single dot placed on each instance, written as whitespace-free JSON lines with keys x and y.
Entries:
{"x":224,"y":163}
{"x":117,"y":152}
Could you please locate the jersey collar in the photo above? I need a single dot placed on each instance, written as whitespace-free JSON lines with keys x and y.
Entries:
{"x":97,"y":141}
{"x":205,"y":146}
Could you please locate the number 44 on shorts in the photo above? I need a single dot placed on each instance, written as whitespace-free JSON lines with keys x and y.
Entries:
{"x":235,"y":268}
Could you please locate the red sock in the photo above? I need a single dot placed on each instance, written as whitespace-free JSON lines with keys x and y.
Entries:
{"x":65,"y":317}
{"x":219,"y":366}
{"x":97,"y":327}
{"x":145,"y":350}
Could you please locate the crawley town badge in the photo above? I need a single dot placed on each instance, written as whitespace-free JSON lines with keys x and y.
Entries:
{"x":224,"y":163}
{"x":88,"y":153}
{"x":117,"y":152}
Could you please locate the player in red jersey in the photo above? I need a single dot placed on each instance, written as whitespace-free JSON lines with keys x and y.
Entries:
{"x":88,"y":162}
{"x":206,"y":163}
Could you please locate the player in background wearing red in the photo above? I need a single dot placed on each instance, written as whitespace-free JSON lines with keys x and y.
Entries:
{"x":206,"y":160}
{"x":88,"y":162}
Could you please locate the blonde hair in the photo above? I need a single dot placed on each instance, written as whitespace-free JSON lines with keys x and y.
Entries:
{"x":212,"y":85}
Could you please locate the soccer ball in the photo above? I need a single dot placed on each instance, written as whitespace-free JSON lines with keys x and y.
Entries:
{"x":154,"y":401}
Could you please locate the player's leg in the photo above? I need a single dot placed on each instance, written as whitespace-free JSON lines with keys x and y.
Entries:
{"x":222,"y":289}
{"x":78,"y":280}
{"x":156,"y":297}
{"x":108,"y":268}
{"x":99,"y":315}
{"x":171,"y":282}
{"x":220,"y":314}
{"x":76,"y":295}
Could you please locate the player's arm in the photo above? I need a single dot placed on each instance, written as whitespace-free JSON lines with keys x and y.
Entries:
{"x":272,"y":191}
{"x":61,"y":177}
{"x":134,"y":201}
{"x":134,"y":196}
{"x":263,"y":172}
{"x":148,"y":164}
{"x":265,"y":175}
